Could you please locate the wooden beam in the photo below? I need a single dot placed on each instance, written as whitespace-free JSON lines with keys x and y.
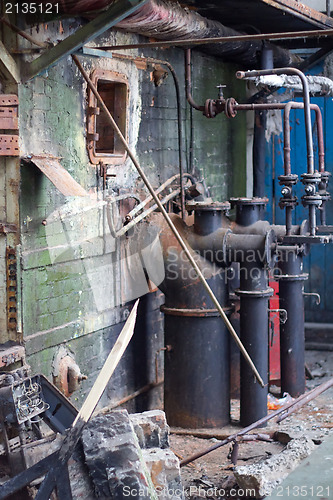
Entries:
{"x":8,"y":67}
{"x":113,"y":15}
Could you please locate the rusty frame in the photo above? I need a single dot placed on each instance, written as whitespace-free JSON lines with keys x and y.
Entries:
{"x":94,"y":111}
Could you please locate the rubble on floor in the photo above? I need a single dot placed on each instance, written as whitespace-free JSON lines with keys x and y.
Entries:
{"x":264,"y":476}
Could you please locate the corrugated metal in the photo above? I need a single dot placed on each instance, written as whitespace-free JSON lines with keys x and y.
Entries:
{"x":56,"y":173}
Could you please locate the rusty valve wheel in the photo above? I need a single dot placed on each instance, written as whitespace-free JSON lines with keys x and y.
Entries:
{"x":229,"y":109}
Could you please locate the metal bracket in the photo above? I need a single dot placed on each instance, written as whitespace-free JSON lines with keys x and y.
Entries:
{"x":283,"y":315}
{"x":313,"y":294}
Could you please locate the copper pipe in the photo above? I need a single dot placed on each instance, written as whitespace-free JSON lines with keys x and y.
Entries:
{"x":188,"y":83}
{"x":168,"y":220}
{"x":306,"y":98}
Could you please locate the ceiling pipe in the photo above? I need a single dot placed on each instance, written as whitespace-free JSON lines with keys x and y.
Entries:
{"x":164,"y":20}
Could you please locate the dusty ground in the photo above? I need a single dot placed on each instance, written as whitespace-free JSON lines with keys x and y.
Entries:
{"x":215,"y":470}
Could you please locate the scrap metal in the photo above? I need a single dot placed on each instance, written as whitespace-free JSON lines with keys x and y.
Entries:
{"x":287,"y":410}
{"x":54,"y":466}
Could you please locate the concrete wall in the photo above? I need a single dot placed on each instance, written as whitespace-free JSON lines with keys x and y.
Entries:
{"x":76,"y":283}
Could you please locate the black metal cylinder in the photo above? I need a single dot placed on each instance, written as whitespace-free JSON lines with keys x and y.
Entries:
{"x":208,"y":217}
{"x":248,"y":210}
{"x":254,"y":294}
{"x":196,"y":384}
{"x":292,"y":343}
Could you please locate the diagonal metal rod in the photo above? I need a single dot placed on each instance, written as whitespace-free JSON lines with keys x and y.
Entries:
{"x":284,"y":412}
{"x":54,"y":465}
{"x":170,"y":223}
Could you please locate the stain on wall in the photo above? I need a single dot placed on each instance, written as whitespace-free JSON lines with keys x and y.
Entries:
{"x":61,"y":254}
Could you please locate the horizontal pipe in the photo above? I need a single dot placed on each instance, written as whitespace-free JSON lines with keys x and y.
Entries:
{"x":223,"y":39}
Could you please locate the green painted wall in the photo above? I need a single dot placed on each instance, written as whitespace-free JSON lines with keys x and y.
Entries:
{"x":62,"y":258}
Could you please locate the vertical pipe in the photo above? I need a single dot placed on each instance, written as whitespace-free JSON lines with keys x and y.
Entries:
{"x":259,"y":140}
{"x":292,"y":344}
{"x":254,"y":294}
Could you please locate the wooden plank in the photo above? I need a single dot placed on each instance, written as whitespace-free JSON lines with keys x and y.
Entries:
{"x":8,"y":66}
{"x":58,"y":175}
{"x":113,"y":15}
{"x":56,"y":462}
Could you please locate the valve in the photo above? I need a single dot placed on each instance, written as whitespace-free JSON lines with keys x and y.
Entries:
{"x":220,"y":91}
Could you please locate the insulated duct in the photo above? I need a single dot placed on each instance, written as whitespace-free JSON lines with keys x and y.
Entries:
{"x":168,"y":20}
{"x":165,"y":20}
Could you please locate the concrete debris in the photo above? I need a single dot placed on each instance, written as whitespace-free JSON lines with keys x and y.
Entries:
{"x":264,"y":476}
{"x":117,"y":465}
{"x":114,"y":458}
{"x":151,"y":429}
{"x":163,"y":466}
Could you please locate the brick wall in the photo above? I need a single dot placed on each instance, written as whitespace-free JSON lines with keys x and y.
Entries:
{"x":60,"y":261}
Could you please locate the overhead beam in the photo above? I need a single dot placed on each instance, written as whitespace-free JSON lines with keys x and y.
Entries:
{"x":316,"y":57}
{"x":8,"y":67}
{"x":113,"y":15}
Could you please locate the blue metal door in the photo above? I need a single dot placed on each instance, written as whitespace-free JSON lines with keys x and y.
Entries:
{"x":320,"y":261}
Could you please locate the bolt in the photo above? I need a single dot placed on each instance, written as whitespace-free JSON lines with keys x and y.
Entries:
{"x":285,"y":191}
{"x":310,"y":189}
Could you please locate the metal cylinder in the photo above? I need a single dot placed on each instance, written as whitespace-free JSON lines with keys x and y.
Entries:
{"x":208,"y":217}
{"x":248,"y":210}
{"x":292,"y":343}
{"x":196,"y":375}
{"x":196,"y":383}
{"x":254,"y":295}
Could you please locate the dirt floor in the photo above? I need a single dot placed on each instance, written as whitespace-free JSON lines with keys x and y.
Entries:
{"x":215,"y":470}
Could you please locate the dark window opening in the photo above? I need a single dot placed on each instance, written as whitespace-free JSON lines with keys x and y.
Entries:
{"x":104,"y":144}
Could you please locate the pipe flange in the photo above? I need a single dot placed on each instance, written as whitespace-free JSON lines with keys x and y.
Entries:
{"x":195,"y":313}
{"x":225,"y":252}
{"x":291,"y":277}
{"x":288,"y":202}
{"x":311,"y":178}
{"x":288,"y":180}
{"x":325,"y":177}
{"x":218,"y":206}
{"x":256,"y":294}
{"x":248,"y":201}
{"x":229,"y":108}
{"x":314,"y":199}
{"x":210,"y":108}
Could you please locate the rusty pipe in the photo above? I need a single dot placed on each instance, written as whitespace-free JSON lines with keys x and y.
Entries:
{"x":188,"y":82}
{"x":168,"y":220}
{"x":290,"y":407}
{"x":306,"y":99}
{"x":223,"y":39}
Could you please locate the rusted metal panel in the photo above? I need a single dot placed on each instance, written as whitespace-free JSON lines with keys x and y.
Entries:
{"x":8,"y":118}
{"x":302,"y":11}
{"x":8,"y":100}
{"x":58,"y":175}
{"x":9,"y":145}
{"x":12,"y":355}
{"x":11,"y":266}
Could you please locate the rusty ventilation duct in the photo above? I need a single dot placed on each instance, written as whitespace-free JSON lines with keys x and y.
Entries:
{"x":167,"y":20}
